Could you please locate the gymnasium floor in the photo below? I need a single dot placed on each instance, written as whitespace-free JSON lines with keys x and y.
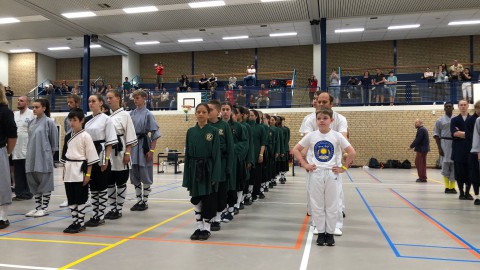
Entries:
{"x":392,"y":223}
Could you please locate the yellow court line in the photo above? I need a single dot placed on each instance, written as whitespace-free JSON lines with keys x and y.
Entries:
{"x":54,"y":241}
{"x":123,"y":241}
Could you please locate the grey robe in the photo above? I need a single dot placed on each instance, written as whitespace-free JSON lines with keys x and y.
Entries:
{"x":144,"y":123}
{"x":42,"y":143}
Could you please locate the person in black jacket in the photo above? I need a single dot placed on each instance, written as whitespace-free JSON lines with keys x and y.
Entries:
{"x":421,"y":145}
{"x":461,"y":150}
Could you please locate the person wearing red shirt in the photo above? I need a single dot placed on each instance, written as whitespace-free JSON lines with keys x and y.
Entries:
{"x":312,"y":87}
{"x":159,"y":69}
{"x":229,"y":94}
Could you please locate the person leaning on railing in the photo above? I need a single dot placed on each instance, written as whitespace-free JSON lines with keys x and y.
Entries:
{"x":466,"y":77}
{"x":183,"y":83}
{"x":440,"y":80}
{"x":312,"y":87}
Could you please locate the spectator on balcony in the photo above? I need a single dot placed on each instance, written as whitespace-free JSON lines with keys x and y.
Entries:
{"x":334,"y":88}
{"x":159,"y":70}
{"x":49,"y":89}
{"x":352,"y":86}
{"x":252,"y":101}
{"x":379,"y":86}
{"x":466,"y":85}
{"x":392,"y":86}
{"x":241,"y":97}
{"x":263,"y":96}
{"x":440,"y":77}
{"x":455,"y":70}
{"x":428,"y":75}
{"x":93,"y":88}
{"x":203,"y":82}
{"x":212,"y":82}
{"x":366,"y":82}
{"x":64,"y":87}
{"x":229,"y":95}
{"x":232,"y":81}
{"x":76,"y":89}
{"x":173,"y":102}
{"x":212,"y":94}
{"x":127,"y":85}
{"x":189,"y":89}
{"x":156,"y":96}
{"x":184,"y":83}
{"x":164,"y":98}
{"x":251,"y":75}
{"x":312,"y":87}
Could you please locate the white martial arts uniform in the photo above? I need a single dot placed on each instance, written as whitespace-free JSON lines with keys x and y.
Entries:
{"x":78,"y":148}
{"x":126,"y":133}
{"x":339,"y":124}
{"x":326,"y":152}
{"x":101,"y":129}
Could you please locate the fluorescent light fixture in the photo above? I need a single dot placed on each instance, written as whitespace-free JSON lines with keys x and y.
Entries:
{"x":147,"y":42}
{"x":93,"y":46}
{"x":72,"y":15}
{"x":190,"y":40}
{"x":237,"y":37}
{"x":283,"y":34}
{"x":8,"y":20}
{"x":59,"y":48}
{"x":20,"y":50}
{"x":464,"y":22}
{"x":206,"y":4}
{"x":140,"y":9}
{"x":351,"y":30}
{"x":395,"y":27}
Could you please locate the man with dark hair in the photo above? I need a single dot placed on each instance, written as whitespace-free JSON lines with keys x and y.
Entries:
{"x":460,"y":151}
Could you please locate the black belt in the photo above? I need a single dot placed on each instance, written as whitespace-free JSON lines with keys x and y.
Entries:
{"x":201,"y":172}
{"x":447,"y":138}
{"x":84,"y":166}
{"x":145,"y":145}
{"x":98,"y":145}
{"x":119,"y":146}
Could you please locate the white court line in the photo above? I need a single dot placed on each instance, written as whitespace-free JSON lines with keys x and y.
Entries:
{"x":306,"y":252}
{"x":27,"y":267}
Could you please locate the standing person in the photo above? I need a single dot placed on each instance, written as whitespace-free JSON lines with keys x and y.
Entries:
{"x":127,"y":86}
{"x":236,"y":181}
{"x":366,"y":82}
{"x":203,"y":82}
{"x":184,"y":83}
{"x":475,"y":152}
{"x":275,"y":148}
{"x":285,"y":155}
{"x":334,"y":87}
{"x":227,"y":158}
{"x":312,"y":87}
{"x":440,"y":79}
{"x":466,"y":85}
{"x":379,"y":86}
{"x":212,"y":82}
{"x":100,"y":127}
{"x":202,"y":170}
{"x":266,"y":160}
{"x":421,"y":145}
{"x":232,"y":81}
{"x":78,"y":156}
{"x":22,"y":117}
{"x":323,"y":166}
{"x":127,"y":138}
{"x":142,"y":154}
{"x":8,"y":138}
{"x":473,"y":156}
{"x":259,"y":141}
{"x":243,"y":118}
{"x":460,"y":150}
{"x":42,"y":143}
{"x":392,"y":86}
{"x":443,"y":139}
{"x":159,"y":70}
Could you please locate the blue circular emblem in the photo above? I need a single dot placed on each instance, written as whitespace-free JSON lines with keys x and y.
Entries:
{"x":323,"y":151}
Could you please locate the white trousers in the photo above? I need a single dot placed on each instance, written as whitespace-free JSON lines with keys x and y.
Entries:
{"x":322,"y":187}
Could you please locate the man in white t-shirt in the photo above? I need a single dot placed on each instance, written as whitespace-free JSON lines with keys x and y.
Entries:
{"x":325,"y":101}
{"x":251,"y":75}
{"x":19,"y":155}
{"x":324,"y":166}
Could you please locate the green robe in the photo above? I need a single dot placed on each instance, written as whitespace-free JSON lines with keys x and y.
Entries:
{"x":202,"y":143}
{"x":240,"y":141}
{"x":259,"y":138}
{"x":250,"y":158}
{"x":226,"y":149}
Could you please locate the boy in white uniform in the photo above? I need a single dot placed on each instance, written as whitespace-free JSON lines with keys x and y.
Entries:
{"x":323,"y":166}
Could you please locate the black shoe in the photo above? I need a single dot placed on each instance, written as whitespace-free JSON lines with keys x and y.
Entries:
{"x":282,"y":181}
{"x":227,"y":217}
{"x":76,"y":228}
{"x":462,"y":197}
{"x":468,"y":197}
{"x":274,"y":183}
{"x":448,"y":191}
{"x":113,"y":215}
{"x":142,"y":206}
{"x":215,"y":226}
{"x":4,"y":224}
{"x":135,"y":207}
{"x":421,"y":181}
{"x":94,"y":222}
{"x":270,"y":185}
{"x":69,"y":228}
{"x":248,"y":201}
{"x":321,"y":239}
{"x":261,"y":196}
{"x":265,"y":189}
{"x":254,"y":198}
{"x":195,"y":235}
{"x":476,"y":202}
{"x":109,"y":214}
{"x":18,"y":198}
{"x":343,"y":214}
{"x":329,"y":240}
{"x":203,"y":235}
{"x":236,"y":211}
{"x":453,"y":191}
{"x":242,"y":206}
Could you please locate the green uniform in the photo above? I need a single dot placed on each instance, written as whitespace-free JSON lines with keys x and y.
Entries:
{"x":241,"y":143}
{"x":259,"y":140}
{"x":226,"y":148}
{"x":202,"y":153}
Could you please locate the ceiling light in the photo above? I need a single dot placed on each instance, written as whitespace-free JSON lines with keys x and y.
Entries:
{"x":351,"y":30}
{"x":237,"y":37}
{"x":464,"y":22}
{"x":58,"y":48}
{"x":283,"y":34}
{"x":20,"y":50}
{"x":8,"y":20}
{"x":403,"y":26}
{"x":190,"y":40}
{"x":206,"y":4}
{"x":140,"y":9}
{"x":93,"y":46}
{"x":84,"y":14}
{"x":147,"y":42}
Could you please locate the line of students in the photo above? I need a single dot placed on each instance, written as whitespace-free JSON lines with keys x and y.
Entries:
{"x":232,"y":158}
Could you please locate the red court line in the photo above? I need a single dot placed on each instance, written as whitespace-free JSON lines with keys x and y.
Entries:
{"x":181,"y":225}
{"x":376,"y":180}
{"x":437,"y":225}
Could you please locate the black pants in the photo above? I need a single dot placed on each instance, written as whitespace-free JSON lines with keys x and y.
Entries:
{"x":257,"y":173}
{"x":118,"y":178}
{"x":222,"y":196}
{"x":462,"y":176}
{"x":21,"y":186}
{"x":474,"y":173}
{"x":99,"y":180}
{"x":209,"y":204}
{"x":241,"y":175}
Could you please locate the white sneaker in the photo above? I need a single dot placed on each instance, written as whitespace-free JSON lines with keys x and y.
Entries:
{"x":31,"y":213}
{"x":40,"y":213}
{"x":64,"y":204}
{"x":337,"y":232}
{"x":315,"y":231}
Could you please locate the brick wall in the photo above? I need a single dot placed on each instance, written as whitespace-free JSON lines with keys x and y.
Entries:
{"x":224,"y":62}
{"x":107,"y":67}
{"x":22,"y":72}
{"x":380,"y":134}
{"x":175,"y":64}
{"x":69,"y":69}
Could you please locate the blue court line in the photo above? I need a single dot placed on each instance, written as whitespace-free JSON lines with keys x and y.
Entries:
{"x":31,"y":227}
{"x":438,"y":259}
{"x":374,"y":177}
{"x":389,"y":241}
{"x":438,"y":222}
{"x":349,"y":177}
{"x":164,"y":190}
{"x":133,"y":193}
{"x":429,"y":246}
